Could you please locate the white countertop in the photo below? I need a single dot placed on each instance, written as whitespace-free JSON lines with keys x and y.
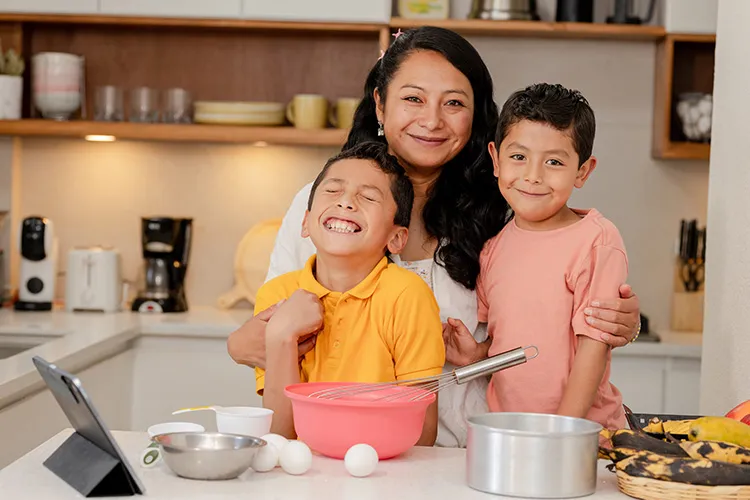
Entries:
{"x":74,"y":340}
{"x":434,"y":473}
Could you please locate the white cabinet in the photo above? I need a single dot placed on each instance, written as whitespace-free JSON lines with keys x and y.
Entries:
{"x":658,"y":384}
{"x":362,"y":11}
{"x":172,"y":8}
{"x":50,"y":6}
{"x":690,"y":16}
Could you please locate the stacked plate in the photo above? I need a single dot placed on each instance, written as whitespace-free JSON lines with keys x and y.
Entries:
{"x":239,"y":113}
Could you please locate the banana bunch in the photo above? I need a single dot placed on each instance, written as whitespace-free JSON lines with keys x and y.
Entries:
{"x":715,"y":453}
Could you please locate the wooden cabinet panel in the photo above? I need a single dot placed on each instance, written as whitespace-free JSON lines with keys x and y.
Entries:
{"x":172,"y":8}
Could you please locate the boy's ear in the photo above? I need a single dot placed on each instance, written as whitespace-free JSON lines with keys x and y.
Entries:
{"x":398,"y":240}
{"x":378,"y":105}
{"x":495,"y":163}
{"x":305,"y":233}
{"x":585,"y":171}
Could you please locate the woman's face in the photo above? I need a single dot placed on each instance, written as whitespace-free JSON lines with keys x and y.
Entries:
{"x":428,"y":111}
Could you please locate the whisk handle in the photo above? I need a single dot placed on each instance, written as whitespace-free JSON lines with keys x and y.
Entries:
{"x":490,"y":365}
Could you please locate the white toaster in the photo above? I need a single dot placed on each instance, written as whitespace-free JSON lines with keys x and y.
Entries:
{"x":93,"y":280}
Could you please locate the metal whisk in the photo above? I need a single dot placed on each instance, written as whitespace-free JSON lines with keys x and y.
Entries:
{"x":421,"y":388}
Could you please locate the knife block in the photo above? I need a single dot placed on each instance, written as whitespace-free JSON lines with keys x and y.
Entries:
{"x":687,"y":307}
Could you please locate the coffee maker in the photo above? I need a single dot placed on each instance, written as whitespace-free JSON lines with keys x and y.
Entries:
{"x":39,"y":251}
{"x":166,"y":248}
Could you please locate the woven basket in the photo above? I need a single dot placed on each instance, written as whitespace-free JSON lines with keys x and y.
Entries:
{"x":653,"y":489}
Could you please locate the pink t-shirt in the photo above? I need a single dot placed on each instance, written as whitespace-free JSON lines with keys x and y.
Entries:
{"x":532,"y":290}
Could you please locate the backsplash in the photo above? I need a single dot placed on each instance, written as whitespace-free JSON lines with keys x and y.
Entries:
{"x":96,"y":193}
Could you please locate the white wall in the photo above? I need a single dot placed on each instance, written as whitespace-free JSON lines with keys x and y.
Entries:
{"x":726,"y":346}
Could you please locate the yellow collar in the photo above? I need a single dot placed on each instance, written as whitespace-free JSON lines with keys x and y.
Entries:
{"x":363,"y":290}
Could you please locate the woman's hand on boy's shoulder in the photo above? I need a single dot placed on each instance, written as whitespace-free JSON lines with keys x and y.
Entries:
{"x":300,"y":315}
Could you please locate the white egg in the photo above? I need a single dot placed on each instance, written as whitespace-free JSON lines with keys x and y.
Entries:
{"x":266,"y":459}
{"x":360,"y":460}
{"x":694,"y":113}
{"x":276,"y":439}
{"x":295,"y":458}
{"x":706,"y":105}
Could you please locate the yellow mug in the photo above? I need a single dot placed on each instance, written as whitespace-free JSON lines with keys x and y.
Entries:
{"x":342,"y":112}
{"x":309,"y":111}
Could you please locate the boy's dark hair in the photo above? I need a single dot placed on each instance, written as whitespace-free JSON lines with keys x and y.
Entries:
{"x":377,"y":152}
{"x":554,"y":105}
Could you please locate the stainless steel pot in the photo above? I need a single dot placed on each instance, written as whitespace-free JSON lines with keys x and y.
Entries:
{"x":504,"y":10}
{"x":532,"y":455}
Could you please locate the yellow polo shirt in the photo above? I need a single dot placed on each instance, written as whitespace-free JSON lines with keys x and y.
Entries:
{"x":384,"y":329}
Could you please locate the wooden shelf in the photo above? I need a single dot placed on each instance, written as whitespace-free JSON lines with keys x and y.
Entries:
{"x":242,"y":24}
{"x":684,"y":63}
{"x":542,"y":29}
{"x":539,"y":29}
{"x":176,"y":133}
{"x":686,"y":151}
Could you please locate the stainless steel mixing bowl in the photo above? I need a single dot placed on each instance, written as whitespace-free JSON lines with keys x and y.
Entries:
{"x":532,"y":455}
{"x":208,"y":455}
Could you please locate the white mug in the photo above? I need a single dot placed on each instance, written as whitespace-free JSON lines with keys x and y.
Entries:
{"x":57,"y":80}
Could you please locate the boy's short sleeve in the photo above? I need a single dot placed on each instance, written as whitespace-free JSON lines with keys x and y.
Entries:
{"x":600,"y":277}
{"x":485,"y":263}
{"x":419,"y":350}
{"x":268,"y":294}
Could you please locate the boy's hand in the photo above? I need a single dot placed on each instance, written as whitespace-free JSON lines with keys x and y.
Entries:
{"x":461,"y":348}
{"x":299,"y":316}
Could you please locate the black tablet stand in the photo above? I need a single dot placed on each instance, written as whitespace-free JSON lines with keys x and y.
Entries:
{"x":90,"y":470}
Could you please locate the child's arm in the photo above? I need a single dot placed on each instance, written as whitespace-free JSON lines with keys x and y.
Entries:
{"x":585,"y":377}
{"x":299,"y":316}
{"x":429,"y":430}
{"x":601,"y":273}
{"x":418,"y":349}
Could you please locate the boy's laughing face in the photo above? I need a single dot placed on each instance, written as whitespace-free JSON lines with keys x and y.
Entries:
{"x":352,"y":212}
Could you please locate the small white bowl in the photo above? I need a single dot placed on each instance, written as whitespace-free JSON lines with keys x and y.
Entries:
{"x":169,"y":427}
{"x":244,"y":420}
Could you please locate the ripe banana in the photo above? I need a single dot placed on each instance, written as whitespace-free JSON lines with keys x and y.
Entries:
{"x":720,"y":429}
{"x":713,"y":450}
{"x":626,"y":438}
{"x":702,"y":471}
{"x":674,"y":427}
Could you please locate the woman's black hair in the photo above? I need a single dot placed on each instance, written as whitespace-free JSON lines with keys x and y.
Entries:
{"x":464,"y":206}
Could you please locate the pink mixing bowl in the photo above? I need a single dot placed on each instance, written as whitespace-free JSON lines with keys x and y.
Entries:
{"x":332,"y":426}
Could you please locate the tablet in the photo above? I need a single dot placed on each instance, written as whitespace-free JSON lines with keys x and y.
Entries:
{"x":84,"y":418}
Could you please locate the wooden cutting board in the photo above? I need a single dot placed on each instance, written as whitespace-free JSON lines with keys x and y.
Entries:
{"x":251,"y":263}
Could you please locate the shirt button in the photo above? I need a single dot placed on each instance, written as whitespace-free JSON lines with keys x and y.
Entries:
{"x":336,"y":344}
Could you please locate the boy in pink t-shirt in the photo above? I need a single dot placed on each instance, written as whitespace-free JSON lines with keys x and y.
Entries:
{"x":542,"y":270}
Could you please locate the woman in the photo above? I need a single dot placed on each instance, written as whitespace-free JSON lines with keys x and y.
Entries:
{"x":430,"y":98}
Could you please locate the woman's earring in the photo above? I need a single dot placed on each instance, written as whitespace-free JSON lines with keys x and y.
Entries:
{"x":381,"y":131}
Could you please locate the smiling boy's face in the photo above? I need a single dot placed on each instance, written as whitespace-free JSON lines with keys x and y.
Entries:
{"x":537,"y":169}
{"x":353,"y":211}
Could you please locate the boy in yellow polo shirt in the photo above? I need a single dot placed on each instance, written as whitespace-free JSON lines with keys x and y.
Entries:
{"x":372,"y":320}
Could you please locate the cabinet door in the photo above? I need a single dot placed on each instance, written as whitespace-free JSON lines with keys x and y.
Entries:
{"x":682,"y":387}
{"x":640,"y":379}
{"x":362,"y":11}
{"x":50,"y":6}
{"x":172,"y":8}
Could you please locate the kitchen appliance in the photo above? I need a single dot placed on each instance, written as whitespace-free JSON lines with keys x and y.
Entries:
{"x":166,"y":248}
{"x":504,"y":10}
{"x":575,"y":11}
{"x":93,"y":280}
{"x":39,"y":252}
{"x":623,"y":13}
{"x":532,"y":455}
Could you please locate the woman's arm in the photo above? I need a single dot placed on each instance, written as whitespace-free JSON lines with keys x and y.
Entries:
{"x":585,"y":377}
{"x":618,"y":320}
{"x":461,"y":348}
